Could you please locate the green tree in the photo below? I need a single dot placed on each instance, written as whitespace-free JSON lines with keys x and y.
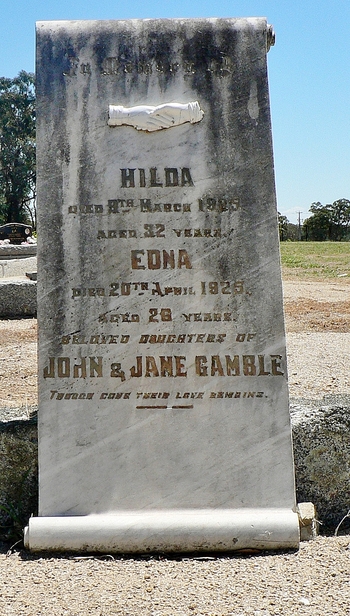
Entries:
{"x":287,"y":230}
{"x":293,"y":232}
{"x":316,"y":228}
{"x":17,"y":149}
{"x":328,"y":222}
{"x":282,"y":226}
{"x":341,"y":218}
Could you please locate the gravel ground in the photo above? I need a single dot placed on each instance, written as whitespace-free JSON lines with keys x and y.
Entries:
{"x":318,"y":364}
{"x":312,"y":581}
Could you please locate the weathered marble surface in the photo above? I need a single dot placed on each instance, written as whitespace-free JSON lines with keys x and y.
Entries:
{"x":163,"y":379}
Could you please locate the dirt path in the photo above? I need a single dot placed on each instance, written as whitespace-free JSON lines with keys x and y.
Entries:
{"x":18,"y":362}
{"x":317,"y":306}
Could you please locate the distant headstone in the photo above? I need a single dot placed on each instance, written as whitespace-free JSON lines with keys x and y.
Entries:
{"x":16,"y":232}
{"x":163,"y":421}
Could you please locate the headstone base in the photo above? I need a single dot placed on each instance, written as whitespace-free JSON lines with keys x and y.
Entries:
{"x":166,"y":531}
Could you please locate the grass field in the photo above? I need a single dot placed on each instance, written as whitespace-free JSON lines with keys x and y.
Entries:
{"x":317,"y":260}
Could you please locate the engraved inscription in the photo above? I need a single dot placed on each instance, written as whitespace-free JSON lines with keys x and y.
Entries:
{"x":236,"y":365}
{"x":113,"y":66}
{"x":208,"y":316}
{"x":162,"y":366}
{"x":115,"y":234}
{"x":125,"y":205}
{"x":168,"y":366}
{"x":198,"y":233}
{"x":212,"y":204}
{"x":181,"y":338}
{"x":152,"y":178}
{"x":236,"y":394}
{"x":96,"y":339}
{"x":64,"y":367}
{"x":162,"y":395}
{"x":159,"y":259}
{"x":57,"y":395}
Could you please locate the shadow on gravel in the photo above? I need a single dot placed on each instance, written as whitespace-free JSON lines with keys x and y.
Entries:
{"x":8,"y":549}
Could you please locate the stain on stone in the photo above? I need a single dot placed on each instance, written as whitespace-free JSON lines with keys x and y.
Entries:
{"x":225,"y":268}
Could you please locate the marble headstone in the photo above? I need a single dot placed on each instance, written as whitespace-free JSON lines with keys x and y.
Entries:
{"x":163,"y":421}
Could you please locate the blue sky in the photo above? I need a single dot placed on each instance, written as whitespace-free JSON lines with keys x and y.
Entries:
{"x":309,"y":76}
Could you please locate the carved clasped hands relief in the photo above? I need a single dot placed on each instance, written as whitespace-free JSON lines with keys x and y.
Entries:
{"x":150,"y":118}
